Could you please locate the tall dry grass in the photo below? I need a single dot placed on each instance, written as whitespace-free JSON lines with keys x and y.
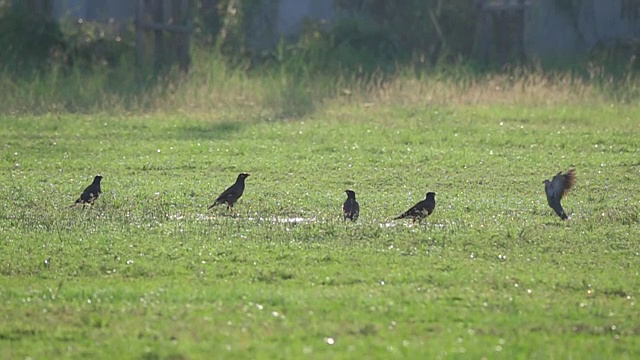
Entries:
{"x":213,"y":88}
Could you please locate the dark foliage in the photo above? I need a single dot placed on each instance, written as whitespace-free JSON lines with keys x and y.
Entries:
{"x":27,"y":39}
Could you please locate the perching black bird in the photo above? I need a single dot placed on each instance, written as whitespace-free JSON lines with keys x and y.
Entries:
{"x":351,"y":208}
{"x":557,"y":188}
{"x":232,"y":194}
{"x":91,"y":193}
{"x":422,"y":209}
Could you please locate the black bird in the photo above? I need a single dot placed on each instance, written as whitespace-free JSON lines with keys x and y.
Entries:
{"x":351,"y":208}
{"x":422,"y":209}
{"x":557,"y":188}
{"x":91,"y":193}
{"x":232,"y":194}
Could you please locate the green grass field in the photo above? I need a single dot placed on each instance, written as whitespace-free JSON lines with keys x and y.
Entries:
{"x":149,"y":273}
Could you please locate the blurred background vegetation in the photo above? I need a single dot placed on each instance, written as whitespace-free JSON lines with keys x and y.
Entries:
{"x":77,"y":65}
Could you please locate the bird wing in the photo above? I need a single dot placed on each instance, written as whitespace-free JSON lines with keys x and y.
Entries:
{"x":561,"y":184}
{"x":413,"y":211}
{"x":555,"y":190}
{"x":350,"y":208}
{"x":229,"y":194}
{"x":569,"y":181}
{"x":89,"y":194}
{"x":225,"y":194}
{"x":355,"y":210}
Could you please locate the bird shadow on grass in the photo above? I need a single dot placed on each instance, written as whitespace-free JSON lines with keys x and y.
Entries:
{"x":212,"y":131}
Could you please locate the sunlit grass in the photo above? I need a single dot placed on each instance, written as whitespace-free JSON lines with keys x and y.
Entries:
{"x":148,"y":272}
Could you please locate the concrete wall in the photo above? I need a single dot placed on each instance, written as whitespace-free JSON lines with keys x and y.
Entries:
{"x":100,"y":10}
{"x":291,"y":13}
{"x":602,"y":20}
{"x":548,"y":33}
{"x":276,"y":18}
{"x":284,"y":18}
{"x":558,"y":37}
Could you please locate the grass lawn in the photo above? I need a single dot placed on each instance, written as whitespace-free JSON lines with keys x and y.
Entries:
{"x":149,"y":272}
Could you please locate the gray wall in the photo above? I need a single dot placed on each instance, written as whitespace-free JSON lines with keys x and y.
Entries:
{"x":555,"y":36}
{"x":100,"y":10}
{"x":549,"y":34}
{"x":292,"y":12}
{"x":284,"y":18}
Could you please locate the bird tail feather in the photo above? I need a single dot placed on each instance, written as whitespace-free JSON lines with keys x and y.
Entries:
{"x":560,"y":211}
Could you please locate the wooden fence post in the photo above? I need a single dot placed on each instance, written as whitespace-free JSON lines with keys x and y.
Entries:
{"x":170,"y":24}
{"x":500,"y":30}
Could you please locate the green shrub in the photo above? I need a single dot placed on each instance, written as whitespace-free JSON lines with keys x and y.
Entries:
{"x":27,"y":39}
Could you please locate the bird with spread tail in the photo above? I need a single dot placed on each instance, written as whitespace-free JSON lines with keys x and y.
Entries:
{"x":351,"y":208}
{"x":557,"y":188}
{"x":90,"y":193}
{"x":420,"y":210}
{"x":232,"y":194}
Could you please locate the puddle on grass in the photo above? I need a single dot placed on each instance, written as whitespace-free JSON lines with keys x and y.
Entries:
{"x":388,"y":224}
{"x":273,"y":219}
{"x":286,"y":220}
{"x":301,"y":220}
{"x":392,"y":224}
{"x":176,"y":217}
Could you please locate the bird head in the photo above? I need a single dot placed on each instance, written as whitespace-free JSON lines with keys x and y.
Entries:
{"x":350,"y":194}
{"x":97,"y":178}
{"x":431,"y":194}
{"x":243,"y":175}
